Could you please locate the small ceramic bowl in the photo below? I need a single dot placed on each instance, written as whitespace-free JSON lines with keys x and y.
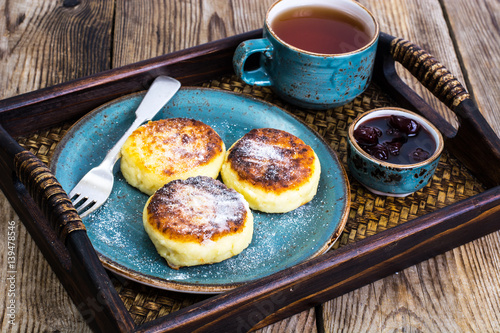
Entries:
{"x":390,"y":179}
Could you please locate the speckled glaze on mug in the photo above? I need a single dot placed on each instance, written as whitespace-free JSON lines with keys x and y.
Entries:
{"x":308,"y":79}
{"x":382,"y":178}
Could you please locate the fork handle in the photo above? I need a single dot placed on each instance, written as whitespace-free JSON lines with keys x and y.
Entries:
{"x":159,"y":93}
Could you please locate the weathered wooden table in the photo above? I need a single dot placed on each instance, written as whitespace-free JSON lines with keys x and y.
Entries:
{"x":43,"y":43}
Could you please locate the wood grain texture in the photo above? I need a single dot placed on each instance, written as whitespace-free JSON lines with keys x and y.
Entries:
{"x":41,"y":302}
{"x":43,"y":43}
{"x":457,"y":291}
{"x":426,"y":28}
{"x":302,"y":322}
{"x":145,"y":29}
{"x":476,"y":29}
{"x":445,"y":294}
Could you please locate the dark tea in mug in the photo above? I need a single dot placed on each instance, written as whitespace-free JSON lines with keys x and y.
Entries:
{"x":321,"y":30}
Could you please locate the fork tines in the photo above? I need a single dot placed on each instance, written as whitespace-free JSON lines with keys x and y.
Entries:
{"x":82,"y":205}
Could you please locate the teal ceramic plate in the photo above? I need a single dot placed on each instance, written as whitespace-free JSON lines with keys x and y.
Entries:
{"x":280,"y":240}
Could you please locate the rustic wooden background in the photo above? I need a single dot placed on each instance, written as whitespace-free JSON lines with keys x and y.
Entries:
{"x":45,"y":42}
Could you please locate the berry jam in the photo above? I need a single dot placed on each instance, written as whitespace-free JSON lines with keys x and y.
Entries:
{"x":395,"y":139}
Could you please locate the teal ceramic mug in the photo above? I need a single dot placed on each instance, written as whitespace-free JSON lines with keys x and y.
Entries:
{"x":325,"y":70}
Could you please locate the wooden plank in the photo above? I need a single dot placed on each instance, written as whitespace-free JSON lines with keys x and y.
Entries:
{"x":43,"y":43}
{"x":148,"y":29}
{"x":476,"y":32}
{"x":456,"y":291}
{"x":422,"y":23}
{"x":46,"y":43}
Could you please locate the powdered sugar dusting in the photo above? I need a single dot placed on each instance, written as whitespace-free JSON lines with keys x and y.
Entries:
{"x":261,"y":151}
{"x":200,"y":205}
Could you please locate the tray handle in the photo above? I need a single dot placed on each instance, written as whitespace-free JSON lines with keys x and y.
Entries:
{"x":475,"y":143}
{"x":430,"y":72}
{"x":49,"y":216}
{"x":48,"y":194}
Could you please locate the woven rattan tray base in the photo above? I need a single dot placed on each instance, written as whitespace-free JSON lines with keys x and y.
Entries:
{"x":369,"y":214}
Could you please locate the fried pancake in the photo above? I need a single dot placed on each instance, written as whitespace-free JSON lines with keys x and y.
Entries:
{"x":163,"y":150}
{"x":197,"y":221}
{"x":274,"y":170}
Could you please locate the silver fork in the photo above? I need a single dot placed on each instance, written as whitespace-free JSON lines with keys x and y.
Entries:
{"x":95,"y":187}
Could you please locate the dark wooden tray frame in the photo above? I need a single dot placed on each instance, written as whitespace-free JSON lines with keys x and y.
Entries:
{"x":49,"y":217}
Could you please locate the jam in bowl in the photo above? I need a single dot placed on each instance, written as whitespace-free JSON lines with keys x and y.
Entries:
{"x":393,"y":151}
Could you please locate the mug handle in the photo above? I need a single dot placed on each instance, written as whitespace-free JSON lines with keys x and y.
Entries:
{"x":258,"y":76}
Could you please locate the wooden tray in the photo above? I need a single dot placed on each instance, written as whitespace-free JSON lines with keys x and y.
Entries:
{"x":362,"y":256}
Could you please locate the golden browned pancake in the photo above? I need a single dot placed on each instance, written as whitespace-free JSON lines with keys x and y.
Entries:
{"x":274,"y":170}
{"x":197,"y":221}
{"x":168,"y":149}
